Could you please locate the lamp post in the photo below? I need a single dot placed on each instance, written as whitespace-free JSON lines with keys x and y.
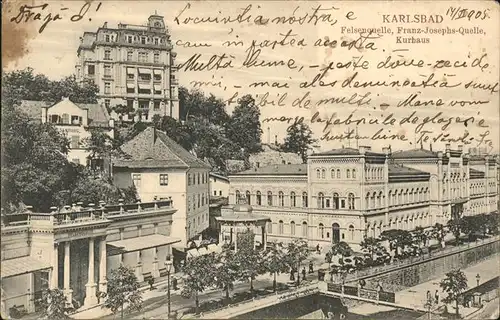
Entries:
{"x":168,"y":267}
{"x":478,"y":278}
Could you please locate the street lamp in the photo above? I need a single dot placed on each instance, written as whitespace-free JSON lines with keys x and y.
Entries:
{"x":168,"y":267}
{"x":478,"y":277}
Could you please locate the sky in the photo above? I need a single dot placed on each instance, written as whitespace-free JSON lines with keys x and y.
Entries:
{"x":53,"y":53}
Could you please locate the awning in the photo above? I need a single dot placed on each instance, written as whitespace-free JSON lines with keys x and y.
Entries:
{"x":202,"y":251}
{"x":23,"y":265}
{"x":145,"y":86}
{"x":142,"y":70}
{"x":130,"y":85}
{"x":193,"y":253}
{"x":131,"y":70}
{"x":157,"y":71}
{"x":214,"y":248}
{"x":157,"y":87}
{"x":139,"y":243}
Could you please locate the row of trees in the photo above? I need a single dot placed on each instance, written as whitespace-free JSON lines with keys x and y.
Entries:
{"x":222,"y":270}
{"x":472,"y":226}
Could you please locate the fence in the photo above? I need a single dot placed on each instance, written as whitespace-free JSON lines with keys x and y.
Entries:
{"x":363,"y":292}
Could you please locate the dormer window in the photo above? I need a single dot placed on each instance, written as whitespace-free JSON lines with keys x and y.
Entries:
{"x":108,"y":38}
{"x":129,"y":39}
{"x":157,"y":24}
{"x":156,"y":41}
{"x":143,"y":40}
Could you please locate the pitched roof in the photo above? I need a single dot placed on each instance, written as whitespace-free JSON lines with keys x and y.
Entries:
{"x":219,"y":176}
{"x":98,"y":115}
{"x":414,"y":153}
{"x":154,"y":149}
{"x":476,"y":174}
{"x":278,"y":169}
{"x":346,"y":152}
{"x":402,"y":173}
{"x":32,"y":108}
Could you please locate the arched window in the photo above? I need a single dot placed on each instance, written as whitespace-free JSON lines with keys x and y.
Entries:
{"x":335,"y":200}
{"x":332,"y":173}
{"x":350,"y":201}
{"x":379,"y":198}
{"x":400,"y":197}
{"x":304,"y":199}
{"x":237,"y":195}
{"x":304,"y":229}
{"x":247,"y":195}
{"x":280,"y":227}
{"x":348,"y":174}
{"x":292,"y":228}
{"x":269,"y":198}
{"x":354,"y":173}
{"x":293,"y":201}
{"x":335,"y":232}
{"x":318,"y":174}
{"x":281,"y":199}
{"x":323,"y":174}
{"x":321,"y":200}
{"x":338,"y":173}
{"x":406,"y":197}
{"x":390,"y":197}
{"x":198,"y":178}
{"x":351,"y":232}
{"x":411,"y":196}
{"x":258,"y":197}
{"x":321,"y":231}
{"x":367,"y":201}
{"x":374,"y":196}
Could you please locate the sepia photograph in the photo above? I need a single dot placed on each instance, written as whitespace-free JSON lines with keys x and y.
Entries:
{"x":173,"y":159}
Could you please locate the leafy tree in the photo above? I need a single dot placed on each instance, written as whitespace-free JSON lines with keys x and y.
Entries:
{"x":244,"y":126}
{"x":275,"y":261}
{"x":299,"y":140}
{"x":54,"y":305}
{"x":438,"y":232}
{"x":199,"y":272}
{"x":419,"y":235}
{"x":225,"y":271}
{"x":454,"y":284}
{"x":341,"y":248}
{"x":297,"y":252}
{"x":372,"y":245}
{"x":248,"y":261}
{"x":123,"y":289}
{"x":397,"y":238}
{"x":454,"y":226}
{"x":472,"y":224}
{"x":493,"y":221}
{"x":246,"y":240}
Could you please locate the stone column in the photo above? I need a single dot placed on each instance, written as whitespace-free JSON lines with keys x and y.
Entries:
{"x":264,"y":237}
{"x":54,"y":273}
{"x":156,"y":270}
{"x":138,"y":268}
{"x":67,"y":266}
{"x":30,"y":297}
{"x":90,"y":297}
{"x":102,"y":266}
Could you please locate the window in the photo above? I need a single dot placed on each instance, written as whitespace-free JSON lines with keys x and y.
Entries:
{"x":354,"y":173}
{"x":107,"y":54}
{"x":107,"y":103}
{"x":318,"y":173}
{"x":130,"y":76}
{"x":163,"y":179}
{"x":237,"y":196}
{"x":269,"y":198}
{"x":269,"y":227}
{"x":107,"y":87}
{"x":156,"y":105}
{"x":292,"y":228}
{"x":342,"y":203}
{"x":335,"y":200}
{"x":143,"y":40}
{"x":259,"y":198}
{"x":143,"y":57}
{"x":321,"y":231}
{"x":281,"y":198}
{"x":202,"y":199}
{"x":332,"y":173}
{"x":136,"y":179}
{"x":65,"y":118}
{"x":321,"y":200}
{"x":199,"y":200}
{"x":293,"y":202}
{"x":107,"y":70}
{"x":157,"y":77}
{"x":350,"y":201}
{"x":91,"y":69}
{"x":76,"y":161}
{"x":247,"y":196}
{"x":189,"y":179}
{"x":280,"y":227}
{"x":156,"y":41}
{"x":304,"y":199}
{"x":129,"y":39}
{"x":304,"y":229}
{"x":107,"y":38}
{"x":220,"y":193}
{"x":198,"y":180}
{"x":348,"y":174}
{"x":130,"y":55}
{"x":156,"y":58}
{"x":323,"y":174}
{"x":338,"y":173}
{"x":351,"y":232}
{"x":215,"y":192}
{"x":75,"y":142}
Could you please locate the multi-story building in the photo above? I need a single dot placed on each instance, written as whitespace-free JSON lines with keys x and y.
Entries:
{"x":160,"y":168}
{"x":75,"y":249}
{"x":219,"y":185}
{"x":133,"y":66}
{"x":347,"y":194}
{"x":76,"y":120}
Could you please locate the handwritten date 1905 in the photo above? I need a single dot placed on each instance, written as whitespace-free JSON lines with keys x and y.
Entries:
{"x":38,"y":13}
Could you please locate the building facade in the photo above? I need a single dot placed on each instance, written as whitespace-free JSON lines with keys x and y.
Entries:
{"x":348,"y":194}
{"x":75,"y":120}
{"x":133,"y":66}
{"x":271,"y":155}
{"x":75,"y":249}
{"x":219,"y":185}
{"x":159,"y":168}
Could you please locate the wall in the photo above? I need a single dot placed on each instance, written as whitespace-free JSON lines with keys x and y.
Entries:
{"x":219,"y":187}
{"x":430,"y":269}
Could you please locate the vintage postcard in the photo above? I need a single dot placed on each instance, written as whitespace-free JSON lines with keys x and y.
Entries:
{"x":250,"y":159}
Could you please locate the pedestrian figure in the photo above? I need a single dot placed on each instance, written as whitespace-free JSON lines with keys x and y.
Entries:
{"x":311,"y":270}
{"x":317,"y":248}
{"x":174,"y":283}
{"x":436,"y":297}
{"x":304,"y":273}
{"x":292,"y":277}
{"x":429,"y":297}
{"x":151,"y":282}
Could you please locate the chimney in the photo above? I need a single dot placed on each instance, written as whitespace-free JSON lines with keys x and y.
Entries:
{"x":105,"y":25}
{"x":430,"y":146}
{"x":386,"y":150}
{"x":276,"y":139}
